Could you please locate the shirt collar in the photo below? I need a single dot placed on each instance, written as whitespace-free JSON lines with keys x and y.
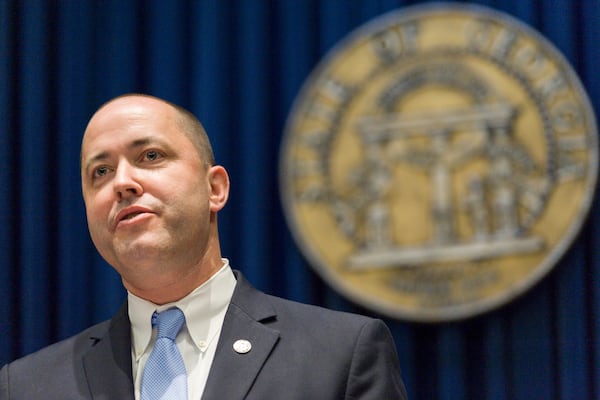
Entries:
{"x":201,"y":308}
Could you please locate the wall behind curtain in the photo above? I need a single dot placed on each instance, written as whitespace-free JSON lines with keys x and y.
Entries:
{"x":238,"y":65}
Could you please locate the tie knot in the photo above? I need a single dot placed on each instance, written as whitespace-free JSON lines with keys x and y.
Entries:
{"x":168,"y":323}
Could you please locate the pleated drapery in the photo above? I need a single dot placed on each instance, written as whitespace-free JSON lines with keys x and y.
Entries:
{"x":239,"y":65}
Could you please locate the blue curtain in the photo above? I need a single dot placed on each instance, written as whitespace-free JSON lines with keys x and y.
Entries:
{"x":239,"y":65}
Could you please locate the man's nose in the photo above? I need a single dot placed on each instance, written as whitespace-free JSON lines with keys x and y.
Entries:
{"x":126,"y":183}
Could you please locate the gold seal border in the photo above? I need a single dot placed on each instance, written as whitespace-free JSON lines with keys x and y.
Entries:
{"x":554,"y":255}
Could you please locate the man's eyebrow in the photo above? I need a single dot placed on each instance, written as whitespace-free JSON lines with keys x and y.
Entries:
{"x":146,"y":141}
{"x":98,"y":157}
{"x":131,"y":146}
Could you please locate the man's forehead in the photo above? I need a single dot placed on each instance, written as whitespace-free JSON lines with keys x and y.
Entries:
{"x":132,"y":105}
{"x":128,"y":111}
{"x":120,"y":117}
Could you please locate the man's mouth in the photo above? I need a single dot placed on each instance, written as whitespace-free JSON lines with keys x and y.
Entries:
{"x":129,"y":216}
{"x":130,"y":213}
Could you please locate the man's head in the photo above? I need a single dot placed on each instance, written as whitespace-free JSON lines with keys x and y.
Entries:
{"x":151,"y":192}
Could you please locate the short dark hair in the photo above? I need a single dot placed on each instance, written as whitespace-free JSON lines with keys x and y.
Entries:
{"x":194,"y":129}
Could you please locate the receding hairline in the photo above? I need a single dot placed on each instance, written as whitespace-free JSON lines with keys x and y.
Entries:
{"x":189,"y":124}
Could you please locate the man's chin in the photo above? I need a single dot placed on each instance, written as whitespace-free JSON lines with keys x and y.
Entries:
{"x":139,"y":254}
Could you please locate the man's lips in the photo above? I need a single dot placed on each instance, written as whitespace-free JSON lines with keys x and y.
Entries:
{"x":129,"y":213}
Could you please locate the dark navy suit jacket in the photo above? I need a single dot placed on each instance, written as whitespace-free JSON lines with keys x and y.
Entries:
{"x":298,"y":352}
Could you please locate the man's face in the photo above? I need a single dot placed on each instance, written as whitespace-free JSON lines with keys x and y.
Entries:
{"x":147,"y":192}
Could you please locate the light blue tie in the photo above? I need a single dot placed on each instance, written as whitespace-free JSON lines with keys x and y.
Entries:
{"x":164,"y":374}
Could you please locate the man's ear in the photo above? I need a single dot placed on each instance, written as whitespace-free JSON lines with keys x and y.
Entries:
{"x":219,"y":187}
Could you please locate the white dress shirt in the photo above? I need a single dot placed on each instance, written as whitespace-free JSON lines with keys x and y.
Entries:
{"x":204,"y":311}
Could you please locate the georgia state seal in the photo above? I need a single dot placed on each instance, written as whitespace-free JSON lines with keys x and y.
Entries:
{"x":438,"y":162}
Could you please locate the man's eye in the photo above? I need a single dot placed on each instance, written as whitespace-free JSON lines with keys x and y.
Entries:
{"x":152,"y":155}
{"x":100,"y":171}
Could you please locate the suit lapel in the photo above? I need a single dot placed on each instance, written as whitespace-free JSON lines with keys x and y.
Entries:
{"x":107,"y":364}
{"x":232,"y":373}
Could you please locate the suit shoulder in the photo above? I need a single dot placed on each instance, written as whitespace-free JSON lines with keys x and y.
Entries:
{"x":265,"y":307}
{"x":313,"y":310}
{"x":289,"y":310}
{"x":280,"y":312}
{"x":53,"y":372}
{"x":358,"y":347}
{"x":49,"y":356}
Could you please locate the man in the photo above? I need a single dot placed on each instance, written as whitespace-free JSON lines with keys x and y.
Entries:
{"x":152,"y":193}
